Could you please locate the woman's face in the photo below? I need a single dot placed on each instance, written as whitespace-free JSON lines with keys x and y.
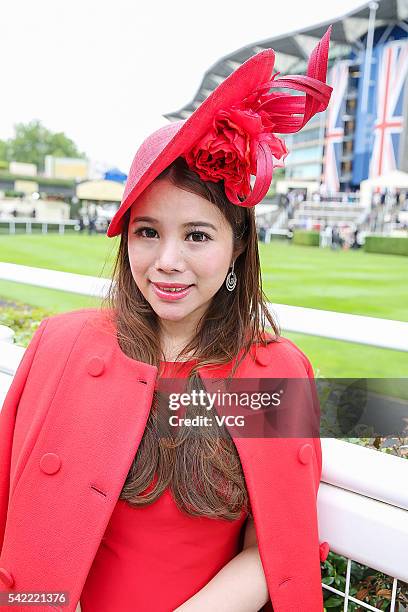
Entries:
{"x":178,"y":237}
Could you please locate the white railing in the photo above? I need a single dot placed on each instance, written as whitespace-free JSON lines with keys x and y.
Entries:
{"x":54,"y":279}
{"x":275,"y":232}
{"x":363,"y":511}
{"x":373,"y":331}
{"x":10,"y":356}
{"x":362,"y":501}
{"x":28,"y":222}
{"x":384,"y":333}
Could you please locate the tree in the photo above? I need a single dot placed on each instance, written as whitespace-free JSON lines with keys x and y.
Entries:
{"x":4,"y":150}
{"x":32,"y":142}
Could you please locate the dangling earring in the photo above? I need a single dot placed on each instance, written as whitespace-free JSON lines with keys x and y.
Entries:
{"x":231,"y":280}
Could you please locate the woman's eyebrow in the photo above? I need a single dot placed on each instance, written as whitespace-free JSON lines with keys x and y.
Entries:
{"x":189,"y":224}
{"x":147,"y":219}
{"x":201,"y":224}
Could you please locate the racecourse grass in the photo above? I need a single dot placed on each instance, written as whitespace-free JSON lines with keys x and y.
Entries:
{"x":345,"y":281}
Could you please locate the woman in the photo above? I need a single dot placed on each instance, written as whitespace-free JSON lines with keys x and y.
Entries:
{"x":101,"y":498}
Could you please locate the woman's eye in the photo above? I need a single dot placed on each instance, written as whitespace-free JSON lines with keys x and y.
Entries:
{"x":206,"y":237}
{"x":202,"y":237}
{"x":140,"y":231}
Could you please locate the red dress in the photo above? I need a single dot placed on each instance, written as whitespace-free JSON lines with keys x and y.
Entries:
{"x":135,"y":567}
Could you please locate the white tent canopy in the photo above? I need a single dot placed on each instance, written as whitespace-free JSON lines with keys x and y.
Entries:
{"x":395,"y":179}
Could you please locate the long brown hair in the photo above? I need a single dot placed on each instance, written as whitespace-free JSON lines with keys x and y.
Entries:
{"x":203,"y":471}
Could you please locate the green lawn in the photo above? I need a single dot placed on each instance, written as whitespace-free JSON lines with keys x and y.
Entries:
{"x":81,"y":254}
{"x":49,"y":299}
{"x":345,"y":281}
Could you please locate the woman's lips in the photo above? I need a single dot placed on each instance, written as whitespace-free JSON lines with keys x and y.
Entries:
{"x":171,"y":296}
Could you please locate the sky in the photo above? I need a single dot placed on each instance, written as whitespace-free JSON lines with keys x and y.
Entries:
{"x":105,"y":73}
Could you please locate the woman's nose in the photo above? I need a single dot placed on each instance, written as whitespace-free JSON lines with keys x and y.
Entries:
{"x":170,"y":256}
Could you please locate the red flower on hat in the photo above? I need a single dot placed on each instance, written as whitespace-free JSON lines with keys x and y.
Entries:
{"x":228,"y":151}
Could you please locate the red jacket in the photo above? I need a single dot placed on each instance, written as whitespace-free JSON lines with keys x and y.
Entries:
{"x":68,"y":435}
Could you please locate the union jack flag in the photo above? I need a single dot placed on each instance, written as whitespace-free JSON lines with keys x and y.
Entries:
{"x":338,"y":79}
{"x":391,"y":75}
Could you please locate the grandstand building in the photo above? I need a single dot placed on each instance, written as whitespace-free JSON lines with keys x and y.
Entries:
{"x":361,"y":135}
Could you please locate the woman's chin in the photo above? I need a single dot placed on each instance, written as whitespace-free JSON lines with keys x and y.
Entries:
{"x":171,"y":312}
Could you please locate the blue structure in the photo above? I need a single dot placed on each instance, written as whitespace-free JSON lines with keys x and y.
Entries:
{"x":361,"y":135}
{"x":114,"y":174}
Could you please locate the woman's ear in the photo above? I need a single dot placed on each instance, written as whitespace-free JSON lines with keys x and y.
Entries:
{"x":240,"y":248}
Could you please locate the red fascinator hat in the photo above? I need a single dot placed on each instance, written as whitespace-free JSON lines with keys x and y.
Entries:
{"x":232,"y":134}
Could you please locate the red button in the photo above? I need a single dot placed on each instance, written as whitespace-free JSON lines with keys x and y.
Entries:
{"x":305,"y":453}
{"x":324,"y":551}
{"x":96,"y":366}
{"x":6,"y":577}
{"x":50,"y":463}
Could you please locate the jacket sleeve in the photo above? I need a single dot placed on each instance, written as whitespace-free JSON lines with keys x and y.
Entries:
{"x":8,"y":415}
